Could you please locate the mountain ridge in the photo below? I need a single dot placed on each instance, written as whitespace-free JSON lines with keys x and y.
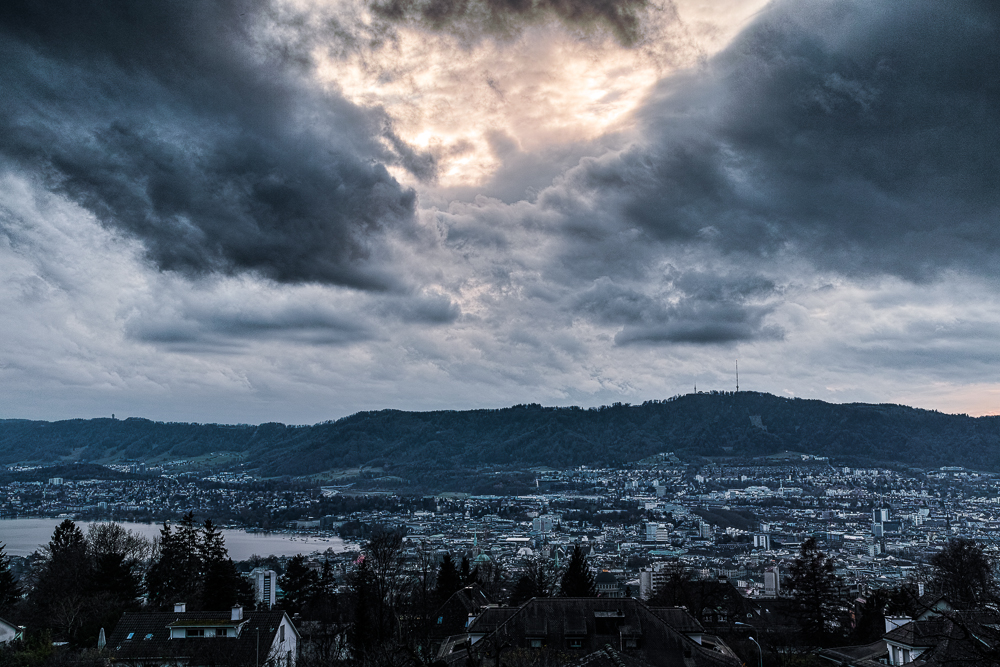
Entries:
{"x":706,"y":424}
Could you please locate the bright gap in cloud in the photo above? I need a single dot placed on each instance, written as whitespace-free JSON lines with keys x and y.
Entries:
{"x":473,"y":104}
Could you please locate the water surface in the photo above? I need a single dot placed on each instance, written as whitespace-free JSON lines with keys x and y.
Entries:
{"x":23,"y":536}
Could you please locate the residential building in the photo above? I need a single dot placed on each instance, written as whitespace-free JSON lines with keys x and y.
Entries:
{"x":205,"y":638}
{"x":569,"y":629}
{"x":265,"y":586}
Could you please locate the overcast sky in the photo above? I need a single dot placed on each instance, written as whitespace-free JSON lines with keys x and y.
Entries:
{"x":293,"y":210}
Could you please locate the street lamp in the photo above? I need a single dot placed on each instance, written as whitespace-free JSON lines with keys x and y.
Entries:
{"x":760,"y":653}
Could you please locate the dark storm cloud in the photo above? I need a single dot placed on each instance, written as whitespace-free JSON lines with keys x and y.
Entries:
{"x":862,"y":136}
{"x":696,"y":307}
{"x":195,"y":321}
{"x":182,"y":124}
{"x":205,"y":331}
{"x":506,"y":17}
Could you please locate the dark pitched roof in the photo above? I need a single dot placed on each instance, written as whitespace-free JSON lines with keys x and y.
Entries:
{"x":150,"y":638}
{"x":679,"y":619}
{"x":919,"y":633}
{"x":867,"y":655}
{"x":609,"y":657}
{"x":558,"y":623}
{"x":957,"y":638}
{"x":453,"y":615}
{"x":491,"y":618}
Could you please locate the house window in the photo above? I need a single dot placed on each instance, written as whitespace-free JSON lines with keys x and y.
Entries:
{"x":631,"y":642}
{"x":576,"y":643}
{"x":535,"y":643}
{"x":281,"y":634}
{"x":195,"y":632}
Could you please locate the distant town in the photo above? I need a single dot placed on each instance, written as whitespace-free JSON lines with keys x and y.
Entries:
{"x":739,"y":521}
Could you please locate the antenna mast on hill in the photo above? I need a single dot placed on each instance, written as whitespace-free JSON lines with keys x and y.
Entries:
{"x":737,"y":376}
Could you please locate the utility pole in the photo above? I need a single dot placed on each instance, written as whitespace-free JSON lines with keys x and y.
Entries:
{"x":737,"y":376}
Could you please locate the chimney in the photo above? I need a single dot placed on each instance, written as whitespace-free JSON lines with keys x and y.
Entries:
{"x":237,"y":613}
{"x":180,"y":607}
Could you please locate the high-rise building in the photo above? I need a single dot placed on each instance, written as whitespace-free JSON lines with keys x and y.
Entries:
{"x":772,"y":582}
{"x":657,"y":532}
{"x":651,"y":532}
{"x":265,"y":586}
{"x":542,"y":524}
{"x":646,"y":584}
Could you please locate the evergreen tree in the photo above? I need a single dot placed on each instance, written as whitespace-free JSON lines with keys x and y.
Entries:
{"x":115,"y":577}
{"x":194,"y":567}
{"x":578,"y":580}
{"x":327,"y":580}
{"x":814,"y":586}
{"x":191,"y":555}
{"x":363,"y":633}
{"x":68,"y":558}
{"x":211,"y":544}
{"x":60,"y":597}
{"x":172,"y":577}
{"x":10,"y":590}
{"x":325,"y":606}
{"x":300,"y":584}
{"x":448,"y":579}
{"x":222,"y":586}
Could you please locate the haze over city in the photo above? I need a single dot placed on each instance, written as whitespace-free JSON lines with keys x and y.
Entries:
{"x":245,"y":211}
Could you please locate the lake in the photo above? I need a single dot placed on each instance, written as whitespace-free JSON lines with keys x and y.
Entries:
{"x":23,"y":536}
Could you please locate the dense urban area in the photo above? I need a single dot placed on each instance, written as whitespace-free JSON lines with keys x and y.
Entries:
{"x":727,"y":552}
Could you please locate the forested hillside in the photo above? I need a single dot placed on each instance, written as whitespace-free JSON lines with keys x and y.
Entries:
{"x":706,"y":424}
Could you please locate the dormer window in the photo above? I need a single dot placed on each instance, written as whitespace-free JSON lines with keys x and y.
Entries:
{"x":204,"y":628}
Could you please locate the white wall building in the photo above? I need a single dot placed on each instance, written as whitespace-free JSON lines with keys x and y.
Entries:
{"x":265,"y":586}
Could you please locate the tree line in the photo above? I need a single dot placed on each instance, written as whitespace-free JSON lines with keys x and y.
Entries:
{"x":381,"y":610}
{"x":376,"y":612}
